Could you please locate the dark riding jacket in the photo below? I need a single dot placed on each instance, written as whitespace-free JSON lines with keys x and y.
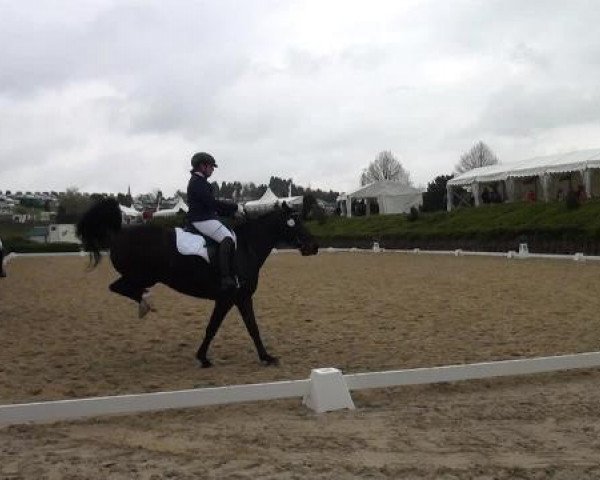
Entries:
{"x":202,"y":203}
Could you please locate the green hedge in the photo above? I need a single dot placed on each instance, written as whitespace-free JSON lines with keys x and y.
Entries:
{"x":552,"y":227}
{"x":20,"y":245}
{"x":548,"y":227}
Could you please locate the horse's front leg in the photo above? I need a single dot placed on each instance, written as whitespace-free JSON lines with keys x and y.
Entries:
{"x":222,"y":306}
{"x":246,"y":308}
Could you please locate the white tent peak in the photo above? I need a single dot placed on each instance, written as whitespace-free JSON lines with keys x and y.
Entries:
{"x":131,"y":212}
{"x":269,"y":200}
{"x":179,"y":206}
{"x":268,"y":196}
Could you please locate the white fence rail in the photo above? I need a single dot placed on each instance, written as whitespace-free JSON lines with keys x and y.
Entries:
{"x":52,"y":411}
{"x":42,"y":412}
{"x":522,"y":254}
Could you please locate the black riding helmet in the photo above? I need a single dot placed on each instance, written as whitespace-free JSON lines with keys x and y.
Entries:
{"x":201,"y":158}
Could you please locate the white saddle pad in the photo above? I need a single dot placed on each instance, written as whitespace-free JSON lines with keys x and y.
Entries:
{"x":190,"y":244}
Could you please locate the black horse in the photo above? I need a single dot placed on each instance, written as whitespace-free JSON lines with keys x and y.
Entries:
{"x":146,"y":254}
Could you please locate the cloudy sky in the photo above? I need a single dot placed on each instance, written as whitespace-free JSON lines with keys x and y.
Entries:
{"x":102,"y":94}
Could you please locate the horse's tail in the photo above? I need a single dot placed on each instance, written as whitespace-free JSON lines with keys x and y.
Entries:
{"x":98,"y":225}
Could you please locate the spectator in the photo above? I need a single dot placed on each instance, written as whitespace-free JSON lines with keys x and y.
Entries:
{"x":530,"y":196}
{"x":485,"y":196}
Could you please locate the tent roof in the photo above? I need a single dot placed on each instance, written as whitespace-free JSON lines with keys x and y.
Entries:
{"x":268,"y":198}
{"x":181,"y":205}
{"x":559,"y":163}
{"x":383,"y":188}
{"x":129,"y":211}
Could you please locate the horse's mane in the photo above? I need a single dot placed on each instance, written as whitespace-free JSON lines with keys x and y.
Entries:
{"x":252,"y":220}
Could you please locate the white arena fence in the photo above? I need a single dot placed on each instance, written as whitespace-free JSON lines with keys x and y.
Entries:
{"x":522,"y":253}
{"x":326,"y":389}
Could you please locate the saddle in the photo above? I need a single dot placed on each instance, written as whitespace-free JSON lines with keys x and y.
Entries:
{"x":191,"y":242}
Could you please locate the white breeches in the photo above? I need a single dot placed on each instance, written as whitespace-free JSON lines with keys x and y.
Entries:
{"x":215,"y":230}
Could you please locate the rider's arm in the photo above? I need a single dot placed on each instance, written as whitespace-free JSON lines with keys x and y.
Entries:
{"x":202,"y":194}
{"x":226,"y":209}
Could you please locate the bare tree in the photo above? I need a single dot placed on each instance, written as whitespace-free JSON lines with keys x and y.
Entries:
{"x":385,"y":167}
{"x":479,"y":156}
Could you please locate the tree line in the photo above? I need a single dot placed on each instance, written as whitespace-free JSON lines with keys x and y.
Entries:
{"x":385,"y":167}
{"x":240,"y":191}
{"x":72,"y":204}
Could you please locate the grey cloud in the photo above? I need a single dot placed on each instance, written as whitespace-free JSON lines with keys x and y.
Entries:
{"x":519,"y":110}
{"x":232,"y":76}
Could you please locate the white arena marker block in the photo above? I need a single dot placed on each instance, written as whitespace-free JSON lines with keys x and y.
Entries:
{"x":523,"y":249}
{"x":579,"y":257}
{"x":328,"y":391}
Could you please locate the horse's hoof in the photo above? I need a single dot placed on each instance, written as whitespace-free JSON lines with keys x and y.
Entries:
{"x":268,"y":361}
{"x":205,"y":363}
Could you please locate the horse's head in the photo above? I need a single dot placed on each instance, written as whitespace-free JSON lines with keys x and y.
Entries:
{"x":295,"y":233}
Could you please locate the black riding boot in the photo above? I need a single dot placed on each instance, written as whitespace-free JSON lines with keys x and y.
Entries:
{"x":225,"y":255}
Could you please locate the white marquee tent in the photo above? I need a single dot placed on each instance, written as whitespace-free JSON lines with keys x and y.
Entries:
{"x":269,"y":200}
{"x":546,"y":177}
{"x":391,"y":197}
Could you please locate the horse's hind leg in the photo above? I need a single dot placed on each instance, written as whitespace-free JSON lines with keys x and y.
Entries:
{"x":134,"y":290}
{"x":222,"y":306}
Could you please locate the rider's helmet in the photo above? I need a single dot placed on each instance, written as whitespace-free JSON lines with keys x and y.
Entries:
{"x":201,"y":158}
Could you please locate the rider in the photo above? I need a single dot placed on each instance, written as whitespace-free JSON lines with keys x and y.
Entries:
{"x":203,"y":211}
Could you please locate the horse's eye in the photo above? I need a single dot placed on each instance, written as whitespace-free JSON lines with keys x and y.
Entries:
{"x":291,"y":222}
